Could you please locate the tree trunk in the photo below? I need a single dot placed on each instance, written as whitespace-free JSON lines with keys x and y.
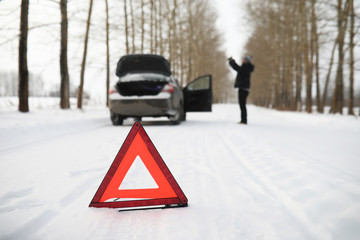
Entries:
{"x":161,"y":43}
{"x":351,"y":61}
{"x":133,"y":49}
{"x":288,"y":51}
{"x":156,"y":27}
{"x":173,"y":37}
{"x":327,"y":80}
{"x":151,"y":26}
{"x":80,"y":90}
{"x":308,"y":67}
{"x":64,"y":73}
{"x":189,"y":43}
{"x":142,"y":25}
{"x":315,"y":51}
{"x":23,"y":67}
{"x":337,"y":102}
{"x":107,"y":54}
{"x":126,"y":28}
{"x":298,"y":64}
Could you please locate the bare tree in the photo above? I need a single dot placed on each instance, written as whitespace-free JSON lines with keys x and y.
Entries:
{"x":315,"y":53}
{"x":294,"y":33}
{"x":83,"y":63}
{"x":351,"y":60}
{"x":142,"y":25}
{"x":167,"y":28}
{"x":308,"y":64}
{"x":107,"y":53}
{"x":23,"y":66}
{"x":126,"y":28}
{"x":327,"y":80}
{"x":159,"y":26}
{"x":337,"y":102}
{"x":151,"y":26}
{"x":133,"y":49}
{"x":298,"y":58}
{"x":64,"y":73}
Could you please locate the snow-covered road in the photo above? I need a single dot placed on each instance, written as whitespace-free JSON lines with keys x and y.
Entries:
{"x":283,"y":176}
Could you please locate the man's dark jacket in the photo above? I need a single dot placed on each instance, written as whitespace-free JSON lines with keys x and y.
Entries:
{"x":243,"y":74}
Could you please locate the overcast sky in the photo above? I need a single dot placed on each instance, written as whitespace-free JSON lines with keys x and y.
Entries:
{"x":232,"y":22}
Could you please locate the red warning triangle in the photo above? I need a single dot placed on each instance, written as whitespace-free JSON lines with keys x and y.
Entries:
{"x":138,"y":145}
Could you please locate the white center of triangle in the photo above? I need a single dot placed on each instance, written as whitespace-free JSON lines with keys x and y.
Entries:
{"x":138,"y":177}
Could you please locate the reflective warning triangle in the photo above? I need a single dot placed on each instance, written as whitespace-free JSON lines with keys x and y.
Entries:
{"x":138,"y":145}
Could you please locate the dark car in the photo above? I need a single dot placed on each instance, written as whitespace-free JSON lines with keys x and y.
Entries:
{"x":146,"y":88}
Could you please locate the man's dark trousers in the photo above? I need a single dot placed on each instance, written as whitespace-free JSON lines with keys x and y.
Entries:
{"x":243,"y":94}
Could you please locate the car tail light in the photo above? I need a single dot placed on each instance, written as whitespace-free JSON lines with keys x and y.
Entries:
{"x":112,"y":90}
{"x":168,"y":88}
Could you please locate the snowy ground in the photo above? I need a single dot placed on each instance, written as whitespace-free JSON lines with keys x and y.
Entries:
{"x":283,"y":176}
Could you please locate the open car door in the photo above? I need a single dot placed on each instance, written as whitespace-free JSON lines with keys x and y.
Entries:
{"x":198,"y":95}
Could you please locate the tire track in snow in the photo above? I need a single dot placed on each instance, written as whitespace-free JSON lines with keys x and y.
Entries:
{"x":31,"y":227}
{"x":312,"y":230}
{"x":51,"y":212}
{"x":44,"y":136}
{"x":48,"y":211}
{"x":214,"y":168}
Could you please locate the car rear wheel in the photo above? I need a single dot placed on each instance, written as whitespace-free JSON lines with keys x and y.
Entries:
{"x":184,"y":116}
{"x":116,"y":119}
{"x":176,"y":120}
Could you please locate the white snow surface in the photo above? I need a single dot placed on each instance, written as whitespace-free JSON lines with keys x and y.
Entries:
{"x":284,"y":175}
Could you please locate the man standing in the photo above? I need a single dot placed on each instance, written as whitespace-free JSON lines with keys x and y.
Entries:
{"x":243,"y":82}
